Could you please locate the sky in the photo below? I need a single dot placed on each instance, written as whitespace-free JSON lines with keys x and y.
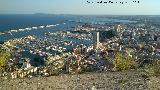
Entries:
{"x":145,"y":7}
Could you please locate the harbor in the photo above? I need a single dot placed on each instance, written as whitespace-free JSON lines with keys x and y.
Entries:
{"x":91,"y":48}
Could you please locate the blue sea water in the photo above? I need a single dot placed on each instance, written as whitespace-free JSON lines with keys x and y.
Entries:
{"x":15,"y":22}
{"x":8,"y":22}
{"x":66,"y":22}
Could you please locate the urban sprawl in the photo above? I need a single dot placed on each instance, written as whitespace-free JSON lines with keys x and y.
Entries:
{"x":91,"y":47}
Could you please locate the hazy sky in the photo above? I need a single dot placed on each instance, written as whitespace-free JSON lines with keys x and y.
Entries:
{"x":146,"y":7}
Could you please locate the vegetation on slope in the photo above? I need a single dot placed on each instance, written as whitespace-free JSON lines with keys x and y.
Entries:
{"x":4,"y":57}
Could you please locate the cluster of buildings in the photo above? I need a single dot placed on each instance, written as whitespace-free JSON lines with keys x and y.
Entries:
{"x":105,"y":41}
{"x":141,"y":43}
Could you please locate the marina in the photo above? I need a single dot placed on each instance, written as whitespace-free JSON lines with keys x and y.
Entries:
{"x":50,"y":44}
{"x":79,"y":45}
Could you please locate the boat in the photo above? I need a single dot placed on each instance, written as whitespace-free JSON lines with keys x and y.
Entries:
{"x":31,"y":51}
{"x":64,"y":48}
{"x":14,"y":30}
{"x":47,"y":48}
{"x":47,"y":26}
{"x":21,"y":29}
{"x":2,"y":33}
{"x":54,"y":49}
{"x":28,"y":28}
{"x":34,"y":27}
{"x":60,"y":51}
{"x":50,"y":26}
{"x":60,"y":47}
{"x":41,"y":26}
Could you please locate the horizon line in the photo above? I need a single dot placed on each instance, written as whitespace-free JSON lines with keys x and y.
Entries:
{"x":80,"y":14}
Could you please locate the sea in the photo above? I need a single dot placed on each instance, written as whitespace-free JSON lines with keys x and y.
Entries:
{"x":63,"y":22}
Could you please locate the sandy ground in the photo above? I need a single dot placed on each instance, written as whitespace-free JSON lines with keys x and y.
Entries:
{"x":126,"y":80}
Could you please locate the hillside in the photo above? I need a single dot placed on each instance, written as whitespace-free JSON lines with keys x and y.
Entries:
{"x":125,"y":80}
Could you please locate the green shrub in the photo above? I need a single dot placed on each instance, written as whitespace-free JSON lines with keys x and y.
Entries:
{"x":56,"y":67}
{"x":4,"y":57}
{"x":124,"y":62}
{"x":152,"y":70}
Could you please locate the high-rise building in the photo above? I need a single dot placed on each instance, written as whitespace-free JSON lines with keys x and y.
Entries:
{"x":119,"y":31}
{"x":97,"y":43}
{"x":119,"y":28}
